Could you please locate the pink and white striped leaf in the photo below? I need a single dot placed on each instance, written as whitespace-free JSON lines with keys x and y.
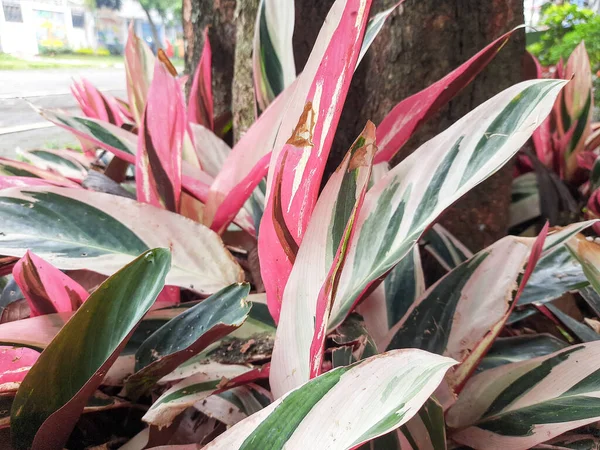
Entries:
{"x":46,"y":288}
{"x":298,"y":160}
{"x":62,"y":226}
{"x":330,"y":412}
{"x":200,"y":104}
{"x":399,"y":125}
{"x":259,"y":140}
{"x":522,"y":404}
{"x":123,"y":144}
{"x":139,"y":69}
{"x":273,"y":55}
{"x":303,"y":323}
{"x":95,"y":104}
{"x":161,"y":134}
{"x":413,"y":194}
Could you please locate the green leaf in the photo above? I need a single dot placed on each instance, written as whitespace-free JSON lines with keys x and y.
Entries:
{"x":187,"y":334}
{"x":55,"y":391}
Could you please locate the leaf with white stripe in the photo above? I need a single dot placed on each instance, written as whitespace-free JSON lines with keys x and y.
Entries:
{"x":461,"y":314}
{"x":273,"y":56}
{"x":522,"y":404}
{"x":309,"y":292}
{"x":330,"y":412}
{"x":68,"y":163}
{"x":298,"y":159}
{"x":77,"y":229}
{"x":405,"y":202}
{"x":388,"y":303}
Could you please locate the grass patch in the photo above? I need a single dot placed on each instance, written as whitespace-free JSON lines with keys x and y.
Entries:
{"x":65,"y":61}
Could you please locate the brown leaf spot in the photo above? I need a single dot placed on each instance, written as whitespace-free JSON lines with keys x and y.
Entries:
{"x":302,"y":135}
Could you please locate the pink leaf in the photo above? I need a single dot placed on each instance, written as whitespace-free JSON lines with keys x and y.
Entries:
{"x":47,"y":289}
{"x":35,"y":172}
{"x":96,"y":105}
{"x":234,"y":201}
{"x":200,"y":105}
{"x":8,"y":182}
{"x":15,"y":362}
{"x":158,"y":157}
{"x":399,"y":125}
{"x":298,"y":161}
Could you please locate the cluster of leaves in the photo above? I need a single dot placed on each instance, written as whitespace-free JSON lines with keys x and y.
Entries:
{"x":221,"y":293}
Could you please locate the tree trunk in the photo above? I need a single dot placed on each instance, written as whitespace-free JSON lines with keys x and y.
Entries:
{"x":218,"y":15}
{"x":243,"y":104}
{"x":153,"y":29}
{"x":421,"y":42}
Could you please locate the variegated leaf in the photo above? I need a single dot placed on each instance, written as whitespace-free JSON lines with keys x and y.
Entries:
{"x":578,"y":100}
{"x":160,"y":143}
{"x":196,"y":388}
{"x":310,"y":290}
{"x":401,"y":122}
{"x":522,"y":404}
{"x":95,"y":104}
{"x":273,"y":56}
{"x":22,"y":169}
{"x":211,"y":150}
{"x":444,"y":247}
{"x":186,"y":335}
{"x":139,"y":67}
{"x":330,"y":412}
{"x":46,"y":288}
{"x":68,"y":163}
{"x":298,"y":160}
{"x":388,"y":303}
{"x":463,"y":312}
{"x":414,"y":193}
{"x":77,"y":229}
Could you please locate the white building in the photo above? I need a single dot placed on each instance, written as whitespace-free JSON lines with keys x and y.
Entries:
{"x":29,"y":26}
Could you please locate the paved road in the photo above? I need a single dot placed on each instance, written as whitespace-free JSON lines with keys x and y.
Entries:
{"x":21,"y":127}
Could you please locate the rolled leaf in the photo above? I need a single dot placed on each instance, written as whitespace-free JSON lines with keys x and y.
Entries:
{"x":77,"y":229}
{"x":298,"y":160}
{"x":187,"y":334}
{"x":159,"y":152}
{"x":409,"y":198}
{"x":308,"y":295}
{"x":578,"y":101}
{"x":272,"y":54}
{"x":522,"y":404}
{"x":53,"y":395}
{"x":139,"y":67}
{"x":200,"y":104}
{"x":46,"y":288}
{"x":330,"y":412}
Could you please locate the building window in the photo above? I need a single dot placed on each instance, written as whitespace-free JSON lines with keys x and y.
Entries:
{"x":78,"y":20}
{"x":12,"y":12}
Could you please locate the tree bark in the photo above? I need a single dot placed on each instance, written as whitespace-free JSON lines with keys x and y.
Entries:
{"x":421,"y":42}
{"x":243,"y":104}
{"x":218,"y":15}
